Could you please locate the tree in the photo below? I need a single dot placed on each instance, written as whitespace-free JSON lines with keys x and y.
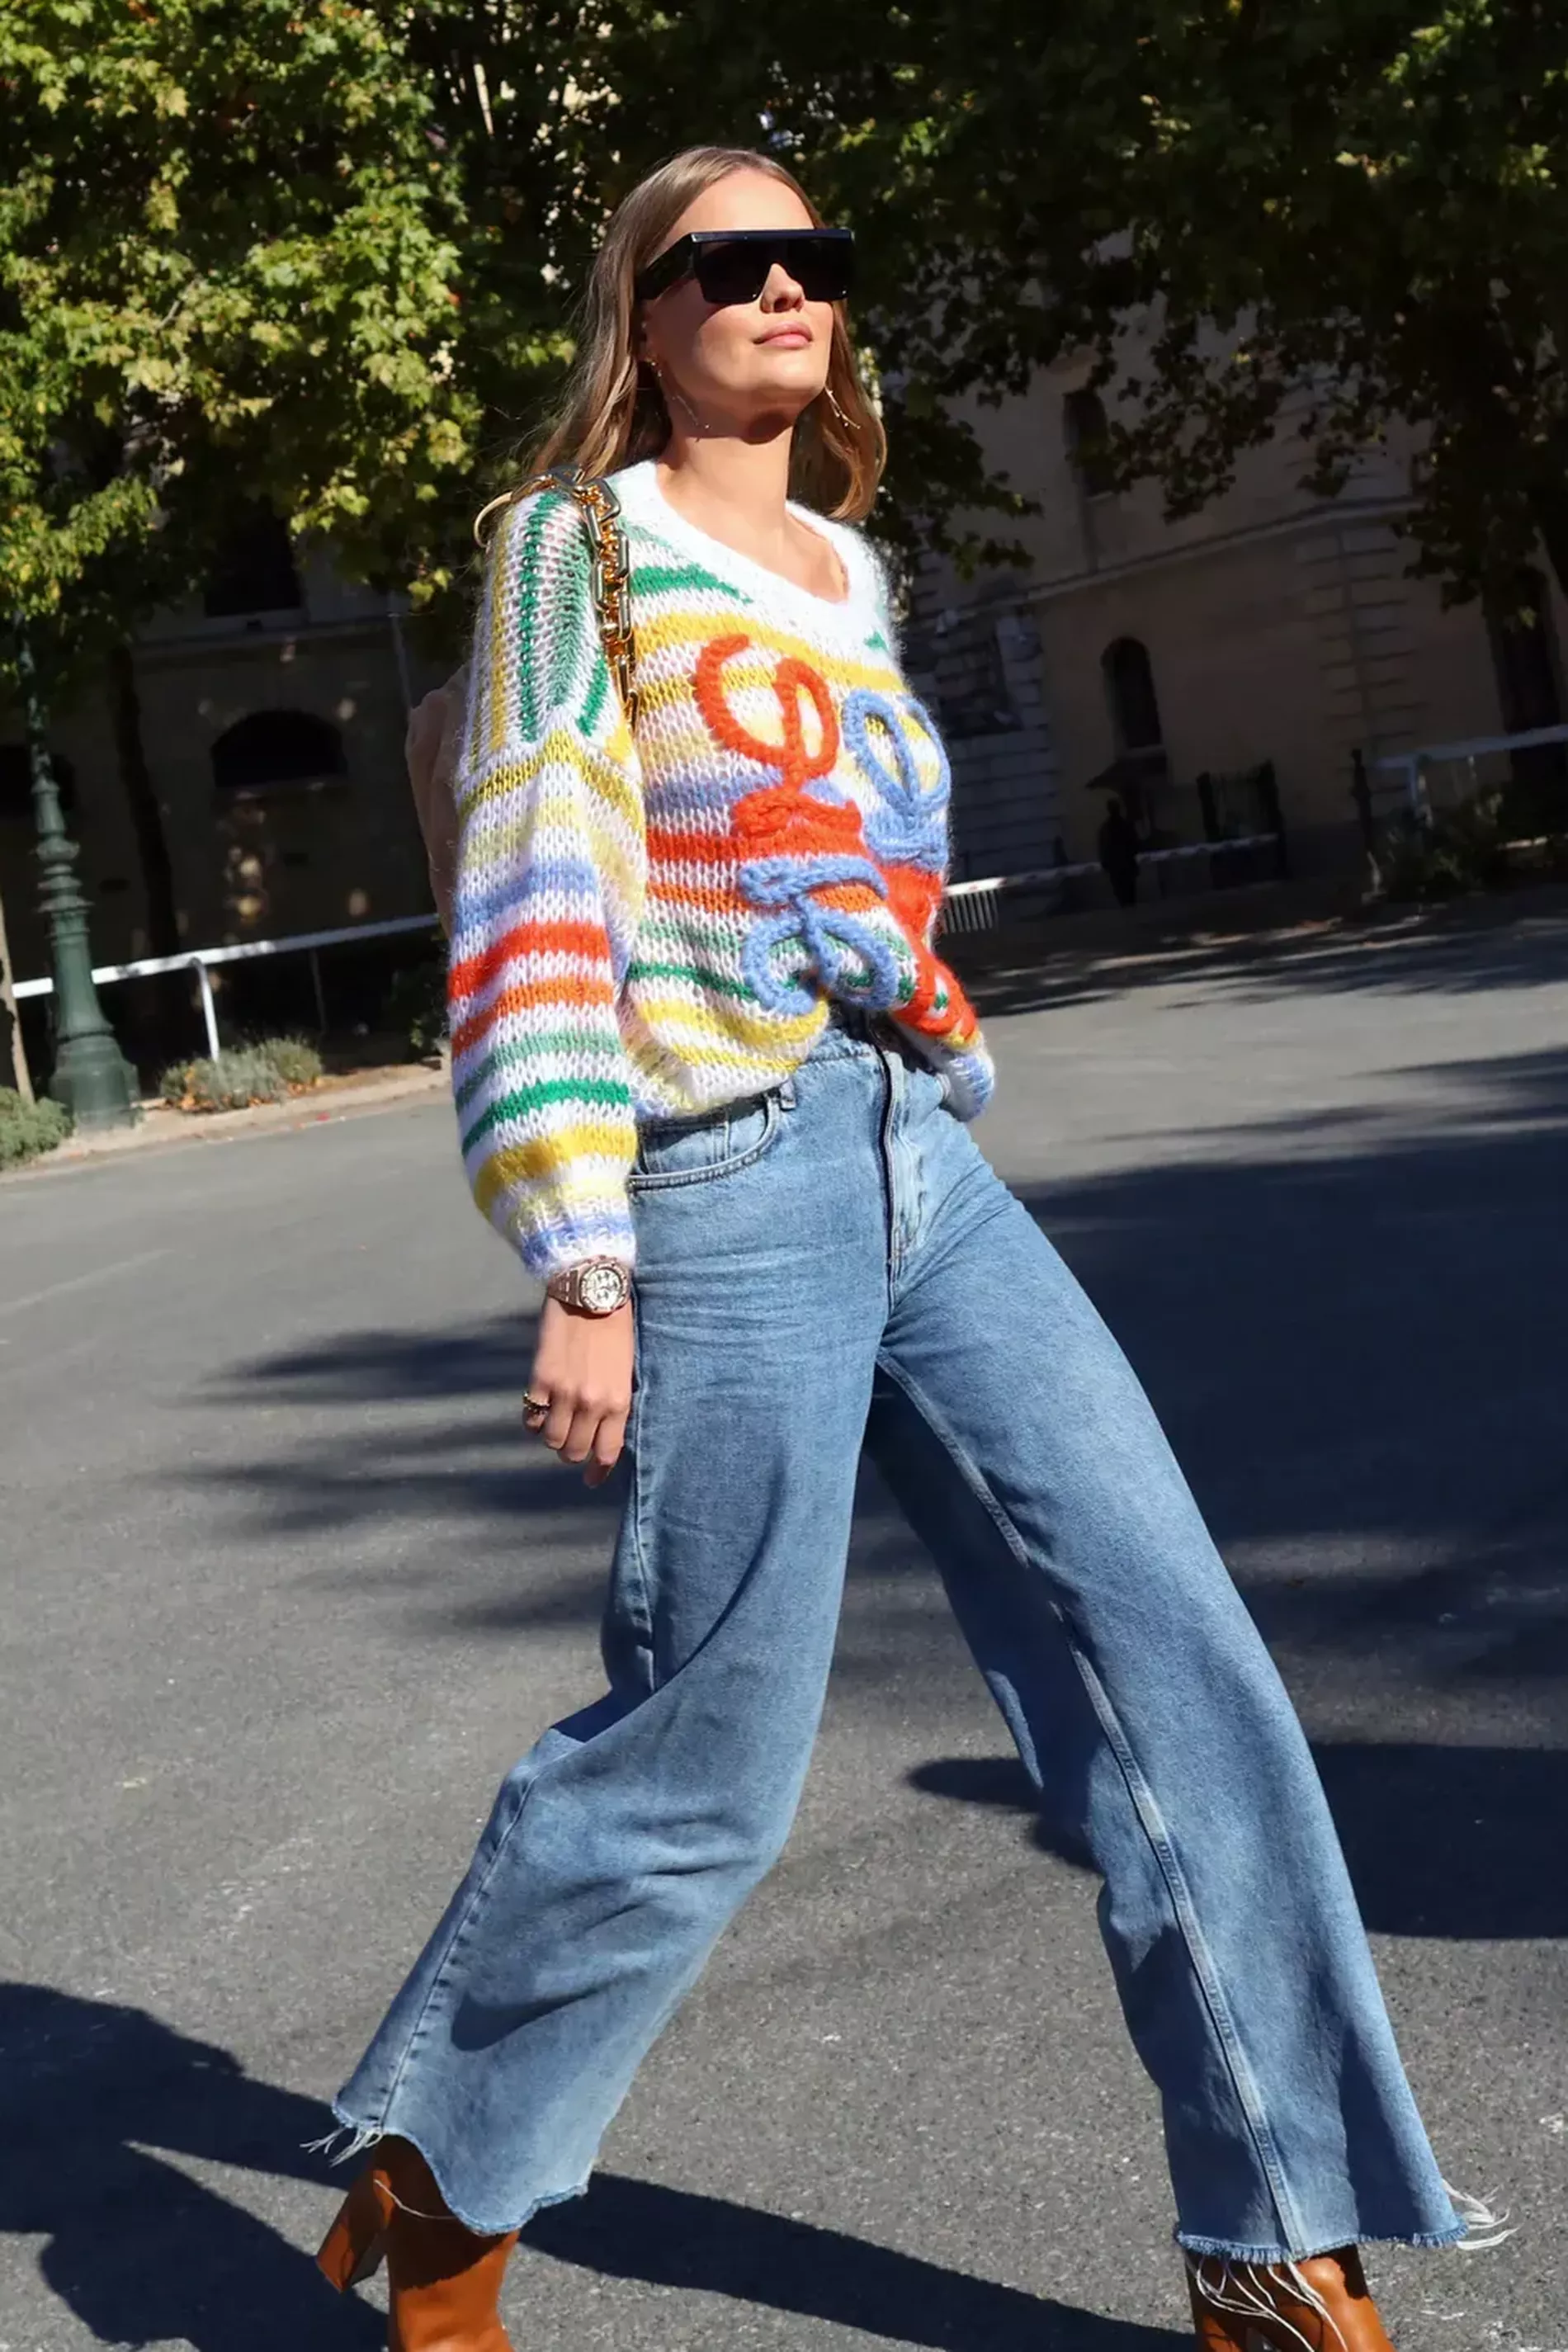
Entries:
{"x":547,"y":115}
{"x":226,"y":275}
{"x":1347,"y":217}
{"x":1342,"y":218}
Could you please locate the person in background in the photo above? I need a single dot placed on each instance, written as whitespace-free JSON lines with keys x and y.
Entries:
{"x":1118,"y":853}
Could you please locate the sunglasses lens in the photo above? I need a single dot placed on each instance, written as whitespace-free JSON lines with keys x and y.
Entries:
{"x":733,"y":273}
{"x":738,"y":272}
{"x":821,"y":270}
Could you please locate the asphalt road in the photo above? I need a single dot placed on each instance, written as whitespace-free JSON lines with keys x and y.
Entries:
{"x":282,"y":1594}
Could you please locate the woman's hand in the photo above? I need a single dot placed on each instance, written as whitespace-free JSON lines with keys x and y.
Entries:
{"x":580,"y":1391}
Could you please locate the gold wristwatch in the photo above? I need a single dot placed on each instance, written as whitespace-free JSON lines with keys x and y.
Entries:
{"x":598,"y":1286}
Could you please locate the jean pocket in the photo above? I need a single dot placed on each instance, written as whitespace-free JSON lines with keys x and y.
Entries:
{"x":700,"y":1150}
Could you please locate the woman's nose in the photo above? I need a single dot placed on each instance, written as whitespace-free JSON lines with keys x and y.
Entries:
{"x":781,"y":291}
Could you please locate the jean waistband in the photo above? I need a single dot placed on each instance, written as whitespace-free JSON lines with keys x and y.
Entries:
{"x":851,"y":1034}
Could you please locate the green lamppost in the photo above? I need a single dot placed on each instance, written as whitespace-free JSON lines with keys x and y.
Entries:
{"x":91,"y":1076}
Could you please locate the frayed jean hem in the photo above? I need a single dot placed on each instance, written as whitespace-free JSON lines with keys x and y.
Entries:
{"x":1224,"y":2250}
{"x":364,"y":2138}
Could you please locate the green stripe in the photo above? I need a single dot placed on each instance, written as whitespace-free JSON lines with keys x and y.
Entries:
{"x":666,"y":578}
{"x":711,"y":930}
{"x":588,"y":717}
{"x":693,"y":972}
{"x":609,"y":1093}
{"x":521,"y":1051}
{"x":528,"y":615}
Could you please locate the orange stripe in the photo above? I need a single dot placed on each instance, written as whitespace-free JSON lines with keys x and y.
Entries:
{"x":710,"y":899}
{"x":671,"y":848}
{"x":529,"y":937}
{"x":570,"y":989}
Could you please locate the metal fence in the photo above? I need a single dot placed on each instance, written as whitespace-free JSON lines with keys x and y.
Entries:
{"x":1416,"y":771}
{"x":968,"y":906}
{"x":202,"y":962}
{"x":977,"y":905}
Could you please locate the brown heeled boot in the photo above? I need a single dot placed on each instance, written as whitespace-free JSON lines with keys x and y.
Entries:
{"x":443,"y":2281}
{"x":1322,"y":2304}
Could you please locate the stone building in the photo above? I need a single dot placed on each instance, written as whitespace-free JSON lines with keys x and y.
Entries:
{"x":1271,"y":628}
{"x":272,"y":715}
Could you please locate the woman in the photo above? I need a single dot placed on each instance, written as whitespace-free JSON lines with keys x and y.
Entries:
{"x":702,"y":1045}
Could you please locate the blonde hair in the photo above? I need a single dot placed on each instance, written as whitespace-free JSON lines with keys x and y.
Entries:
{"x":613,"y":413}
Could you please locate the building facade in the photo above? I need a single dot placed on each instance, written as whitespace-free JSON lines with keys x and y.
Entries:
{"x":271,"y":722}
{"x":1186,"y":666}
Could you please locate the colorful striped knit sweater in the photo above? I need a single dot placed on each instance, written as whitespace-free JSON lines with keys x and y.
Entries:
{"x":648,"y":929}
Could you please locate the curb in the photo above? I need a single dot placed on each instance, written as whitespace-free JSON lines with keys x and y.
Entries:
{"x":161,"y":1132}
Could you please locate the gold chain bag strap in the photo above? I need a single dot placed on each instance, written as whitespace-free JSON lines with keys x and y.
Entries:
{"x":612,"y":576}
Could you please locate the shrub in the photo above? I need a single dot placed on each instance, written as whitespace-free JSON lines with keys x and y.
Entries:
{"x":28,"y":1128}
{"x":297,"y":1062}
{"x":1460,"y":850}
{"x":265,"y":1072}
{"x":232,"y":1082}
{"x":415,"y":1006}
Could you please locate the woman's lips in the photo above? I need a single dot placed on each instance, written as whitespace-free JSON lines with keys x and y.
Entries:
{"x":797,"y":338}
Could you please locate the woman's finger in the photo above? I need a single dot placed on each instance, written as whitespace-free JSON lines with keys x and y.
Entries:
{"x":608,"y":1445}
{"x":580,"y":1437}
{"x":556,"y":1426}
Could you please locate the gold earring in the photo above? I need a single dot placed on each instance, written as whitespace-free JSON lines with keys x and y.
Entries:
{"x":844,"y":418}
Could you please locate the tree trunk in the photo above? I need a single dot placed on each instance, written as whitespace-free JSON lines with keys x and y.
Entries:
{"x":1551,"y":515}
{"x":141,"y":799}
{"x":20,"y":1077}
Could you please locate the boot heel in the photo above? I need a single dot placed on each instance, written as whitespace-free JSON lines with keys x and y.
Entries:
{"x":355,"y":2245}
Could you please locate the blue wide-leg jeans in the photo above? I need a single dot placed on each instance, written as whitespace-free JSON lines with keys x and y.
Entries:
{"x":832,"y":1267}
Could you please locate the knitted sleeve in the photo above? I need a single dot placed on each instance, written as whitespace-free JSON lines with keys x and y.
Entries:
{"x":551,"y":870}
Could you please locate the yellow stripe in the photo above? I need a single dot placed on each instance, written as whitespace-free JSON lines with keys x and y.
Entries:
{"x":655,"y":1069}
{"x":677,"y":629}
{"x":549,"y":1156}
{"x":704,"y":1021}
{"x":559,"y":747}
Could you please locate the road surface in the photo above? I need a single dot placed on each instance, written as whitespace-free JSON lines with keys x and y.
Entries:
{"x":282,"y":1594}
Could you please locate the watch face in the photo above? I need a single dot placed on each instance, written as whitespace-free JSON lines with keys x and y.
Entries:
{"x":603,"y":1289}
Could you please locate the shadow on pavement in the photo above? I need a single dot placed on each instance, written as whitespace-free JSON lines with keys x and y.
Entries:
{"x":139,"y":2253}
{"x":634,"y":2229}
{"x":1516,"y":944}
{"x":136,"y":2250}
{"x":1441,"y":1842}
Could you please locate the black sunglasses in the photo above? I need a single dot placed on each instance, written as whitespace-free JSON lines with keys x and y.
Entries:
{"x":731,"y":264}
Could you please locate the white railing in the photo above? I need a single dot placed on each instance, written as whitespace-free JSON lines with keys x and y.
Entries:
{"x":968,"y":906}
{"x":985,"y":898}
{"x":201,"y":961}
{"x":1414,"y":767}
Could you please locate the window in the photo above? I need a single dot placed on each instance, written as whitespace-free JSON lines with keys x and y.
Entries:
{"x":1130,"y":689}
{"x":255,"y":570}
{"x":1087,"y":432}
{"x":275,"y":750}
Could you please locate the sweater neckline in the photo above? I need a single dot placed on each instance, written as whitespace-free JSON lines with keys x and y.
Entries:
{"x":637,"y":488}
